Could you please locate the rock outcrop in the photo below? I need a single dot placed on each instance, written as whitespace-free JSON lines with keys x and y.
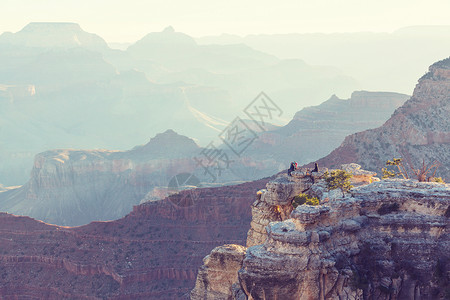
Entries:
{"x":219,"y":272}
{"x":385,"y":240}
{"x":75,"y":187}
{"x":152,"y":253}
{"x":274,"y":202}
{"x":418,"y":131}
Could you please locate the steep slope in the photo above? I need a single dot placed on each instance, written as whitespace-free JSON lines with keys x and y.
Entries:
{"x":79,"y":101}
{"x":315,"y":131}
{"x":153,"y":253}
{"x":418,"y":130}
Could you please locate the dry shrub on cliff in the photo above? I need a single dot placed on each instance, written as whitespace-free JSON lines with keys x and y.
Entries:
{"x":421,"y":174}
{"x":397,"y":162}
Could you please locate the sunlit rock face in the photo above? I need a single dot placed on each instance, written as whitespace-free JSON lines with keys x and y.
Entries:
{"x":219,"y":272}
{"x":418,"y":131}
{"x":384,"y":240}
{"x":274,"y":202}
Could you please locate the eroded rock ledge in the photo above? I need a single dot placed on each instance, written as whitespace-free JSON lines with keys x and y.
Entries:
{"x":385,"y":240}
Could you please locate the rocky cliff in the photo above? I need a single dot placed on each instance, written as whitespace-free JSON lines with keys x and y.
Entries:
{"x":152,"y":253}
{"x":385,"y":240}
{"x":417,"y":131}
{"x":75,"y":187}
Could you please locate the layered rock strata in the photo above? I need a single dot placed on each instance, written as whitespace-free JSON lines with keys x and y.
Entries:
{"x":152,"y":253}
{"x":219,"y":272}
{"x":74,"y":187}
{"x":385,"y":240}
{"x":418,"y":131}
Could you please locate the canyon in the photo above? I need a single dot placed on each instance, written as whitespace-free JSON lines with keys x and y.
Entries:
{"x":63,"y":87}
{"x":396,"y":228}
{"x":384,"y":240}
{"x":152,"y":253}
{"x":74,"y":187}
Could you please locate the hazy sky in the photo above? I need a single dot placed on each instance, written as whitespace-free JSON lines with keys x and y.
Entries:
{"x":130,"y":20}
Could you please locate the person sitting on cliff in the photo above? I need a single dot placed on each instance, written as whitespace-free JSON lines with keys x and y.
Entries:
{"x":293,"y":167}
{"x":316,"y":168}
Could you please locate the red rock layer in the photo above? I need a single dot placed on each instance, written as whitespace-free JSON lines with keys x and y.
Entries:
{"x":152,"y":253}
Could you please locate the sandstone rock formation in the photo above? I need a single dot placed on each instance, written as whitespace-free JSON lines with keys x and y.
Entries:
{"x":387,"y":240}
{"x":419,"y":130}
{"x":153,"y":253}
{"x":274,"y":202}
{"x":219,"y":272}
{"x":75,"y":187}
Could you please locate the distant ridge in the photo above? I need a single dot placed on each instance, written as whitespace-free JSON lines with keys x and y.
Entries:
{"x":54,"y":34}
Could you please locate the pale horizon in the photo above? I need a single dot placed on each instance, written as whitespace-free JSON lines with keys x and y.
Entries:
{"x":119,"y":23}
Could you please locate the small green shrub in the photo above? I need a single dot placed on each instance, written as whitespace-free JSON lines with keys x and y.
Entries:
{"x":338,"y":179}
{"x":304,"y":199}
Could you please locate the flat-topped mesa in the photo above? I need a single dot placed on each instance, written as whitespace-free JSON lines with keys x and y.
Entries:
{"x":54,"y":35}
{"x":384,"y":240}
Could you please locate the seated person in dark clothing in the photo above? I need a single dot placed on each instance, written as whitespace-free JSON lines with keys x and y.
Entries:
{"x":316,"y":168}
{"x":293,"y":167}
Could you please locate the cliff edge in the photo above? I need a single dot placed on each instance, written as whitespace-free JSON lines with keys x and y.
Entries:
{"x":385,"y":240}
